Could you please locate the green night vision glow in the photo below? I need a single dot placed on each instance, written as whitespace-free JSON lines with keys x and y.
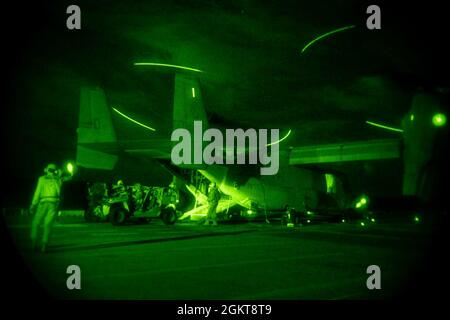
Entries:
{"x":362,"y":224}
{"x":439,"y":119}
{"x":331,"y":184}
{"x":411,"y":117}
{"x":132,"y":120}
{"x":326,"y":35}
{"x":287,"y":135}
{"x":416,"y":219}
{"x":193,"y":92}
{"x":69,"y":167}
{"x":343,"y":220}
{"x":383,"y":126}
{"x":362,"y":202}
{"x":373,"y":219}
{"x":166,"y":65}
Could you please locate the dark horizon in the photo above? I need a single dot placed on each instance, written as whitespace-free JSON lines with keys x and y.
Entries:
{"x":370,"y":75}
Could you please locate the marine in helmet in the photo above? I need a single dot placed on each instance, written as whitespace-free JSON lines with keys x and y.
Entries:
{"x":213,"y":201}
{"x":45,"y":204}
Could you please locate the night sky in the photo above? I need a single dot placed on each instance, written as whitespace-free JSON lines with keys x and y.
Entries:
{"x":254,"y":74}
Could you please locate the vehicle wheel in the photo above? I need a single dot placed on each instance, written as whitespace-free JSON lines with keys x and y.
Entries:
{"x":90,"y":216}
{"x":169,"y":215}
{"x":118,"y":215}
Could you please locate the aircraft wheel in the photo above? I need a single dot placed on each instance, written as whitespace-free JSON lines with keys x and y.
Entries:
{"x":168,"y":215}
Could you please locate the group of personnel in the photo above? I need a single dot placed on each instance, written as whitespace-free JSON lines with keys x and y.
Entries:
{"x":47,"y":197}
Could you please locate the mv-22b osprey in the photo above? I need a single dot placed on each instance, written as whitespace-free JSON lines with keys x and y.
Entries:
{"x":294,"y":185}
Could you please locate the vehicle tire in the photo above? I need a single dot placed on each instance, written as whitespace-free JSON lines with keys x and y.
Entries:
{"x":118,"y":215}
{"x":89,"y":215}
{"x":169,"y":215}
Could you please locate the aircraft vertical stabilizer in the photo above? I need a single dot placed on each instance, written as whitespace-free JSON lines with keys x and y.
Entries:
{"x":188,"y":104}
{"x":95,"y":122}
{"x":95,"y":128}
{"x":188,"y":107}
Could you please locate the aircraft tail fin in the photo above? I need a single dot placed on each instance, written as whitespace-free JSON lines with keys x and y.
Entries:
{"x":95,"y":129}
{"x":188,"y":103}
{"x":95,"y":122}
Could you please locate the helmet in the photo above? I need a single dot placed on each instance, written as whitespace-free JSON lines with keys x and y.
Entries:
{"x":51,"y":168}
